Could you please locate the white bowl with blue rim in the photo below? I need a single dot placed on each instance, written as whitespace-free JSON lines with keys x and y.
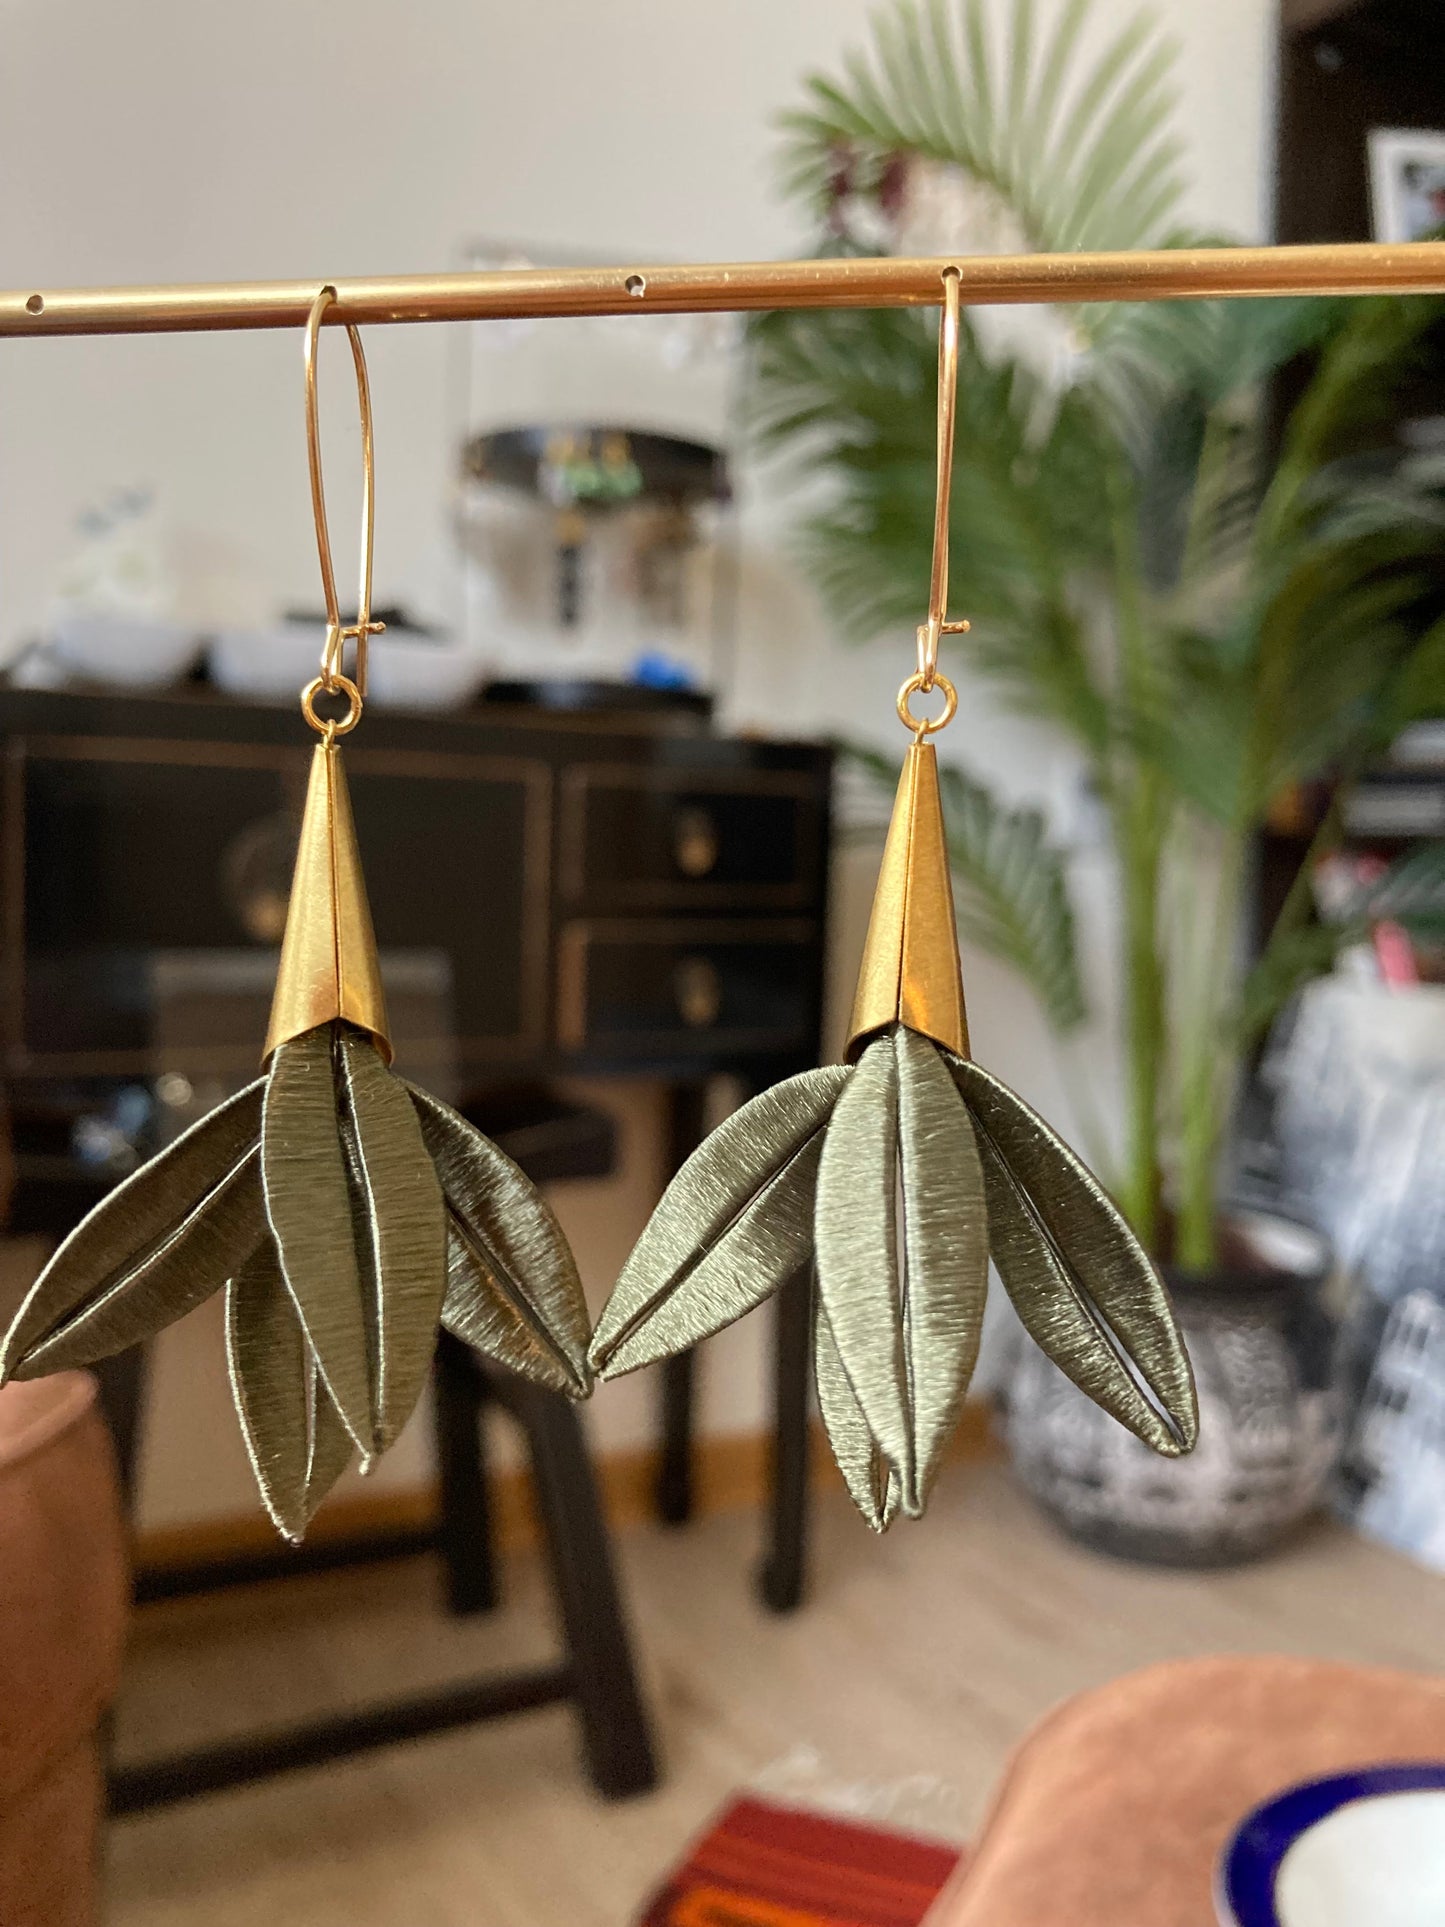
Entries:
{"x":1360,"y":1849}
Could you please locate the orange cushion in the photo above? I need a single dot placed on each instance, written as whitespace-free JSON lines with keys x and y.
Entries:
{"x":64,"y":1589}
{"x":50,"y":1845}
{"x":1115,"y":1809}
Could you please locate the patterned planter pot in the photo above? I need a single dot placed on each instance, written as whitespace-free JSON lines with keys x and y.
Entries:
{"x":1270,"y":1417}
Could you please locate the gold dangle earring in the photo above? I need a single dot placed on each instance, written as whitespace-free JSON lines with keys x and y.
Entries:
{"x":899,"y":1173}
{"x":346,"y":1212}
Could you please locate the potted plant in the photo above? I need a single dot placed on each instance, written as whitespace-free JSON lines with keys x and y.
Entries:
{"x":1211,"y":604}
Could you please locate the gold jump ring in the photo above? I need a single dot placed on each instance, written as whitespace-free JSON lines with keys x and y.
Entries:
{"x":336,"y":686}
{"x":924,"y":725}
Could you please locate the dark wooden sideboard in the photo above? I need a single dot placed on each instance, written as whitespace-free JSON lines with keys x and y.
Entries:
{"x":614,"y":895}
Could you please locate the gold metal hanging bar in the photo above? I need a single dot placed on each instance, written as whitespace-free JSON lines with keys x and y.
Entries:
{"x":1166,"y":275}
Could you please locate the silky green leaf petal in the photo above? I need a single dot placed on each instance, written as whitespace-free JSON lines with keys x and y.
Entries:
{"x":270,"y":1368}
{"x":303,"y":1168}
{"x":481,"y":1311}
{"x":868,"y":1476}
{"x":945,"y":1229}
{"x":220,"y":1234}
{"x":295,"y":1440}
{"x":1080,"y":1282}
{"x":513,"y":1289}
{"x":151,"y":1229}
{"x":733,"y":1225}
{"x":331,"y":1445}
{"x":400,"y":1223}
{"x":753,"y":1258}
{"x":857,"y":1248}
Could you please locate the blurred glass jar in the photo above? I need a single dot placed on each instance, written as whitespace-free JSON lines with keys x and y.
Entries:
{"x":593,"y":494}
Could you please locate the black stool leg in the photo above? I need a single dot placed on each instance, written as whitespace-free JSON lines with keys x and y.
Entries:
{"x":615,"y":1738}
{"x":464,"y":1537}
{"x":784,"y":1565}
{"x":674,"y":1471}
{"x":122,"y":1391}
{"x":687,"y":1108}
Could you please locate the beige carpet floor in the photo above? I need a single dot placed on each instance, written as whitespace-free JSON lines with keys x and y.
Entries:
{"x":926,"y":1654}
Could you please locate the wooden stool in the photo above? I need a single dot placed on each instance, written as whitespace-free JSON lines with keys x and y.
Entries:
{"x":549,"y":1139}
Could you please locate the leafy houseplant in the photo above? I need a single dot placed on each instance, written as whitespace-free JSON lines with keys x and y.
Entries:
{"x":1211,"y":607}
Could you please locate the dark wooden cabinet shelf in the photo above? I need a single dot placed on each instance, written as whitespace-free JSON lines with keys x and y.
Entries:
{"x":619,"y":895}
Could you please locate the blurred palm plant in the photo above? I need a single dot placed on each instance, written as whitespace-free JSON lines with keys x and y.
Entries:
{"x":1210,"y":608}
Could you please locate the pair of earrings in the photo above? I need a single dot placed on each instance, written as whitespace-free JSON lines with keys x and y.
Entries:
{"x":347,"y":1213}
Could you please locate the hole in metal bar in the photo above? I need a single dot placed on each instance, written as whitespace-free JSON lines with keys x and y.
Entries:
{"x":636,"y":285}
{"x":36,"y":304}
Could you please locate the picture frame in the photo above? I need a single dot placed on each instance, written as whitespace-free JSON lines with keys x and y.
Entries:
{"x":1407,"y":182}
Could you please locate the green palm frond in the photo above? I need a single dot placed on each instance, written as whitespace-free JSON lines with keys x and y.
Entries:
{"x":1416,"y":691}
{"x":1219,"y":352}
{"x":1346,"y":674}
{"x":853,"y":394}
{"x":1180,"y":385}
{"x":1077,"y":144}
{"x":1287,"y":601}
{"x":1339,"y":661}
{"x":1295,"y":959}
{"x":1193,"y":731}
{"x":1372,"y":352}
{"x":1411,"y":893}
{"x":1013,"y":887}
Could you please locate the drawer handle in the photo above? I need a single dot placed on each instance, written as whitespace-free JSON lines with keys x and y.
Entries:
{"x":694,"y":841}
{"x":698,"y":991}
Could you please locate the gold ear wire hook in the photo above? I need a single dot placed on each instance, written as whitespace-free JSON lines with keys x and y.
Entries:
{"x":332,"y":677}
{"x":938,"y":625}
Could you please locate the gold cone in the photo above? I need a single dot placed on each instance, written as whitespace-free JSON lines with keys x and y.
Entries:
{"x":328,"y":954}
{"x":911,"y":972}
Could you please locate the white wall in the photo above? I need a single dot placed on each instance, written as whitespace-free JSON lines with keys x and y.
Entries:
{"x":185,"y":140}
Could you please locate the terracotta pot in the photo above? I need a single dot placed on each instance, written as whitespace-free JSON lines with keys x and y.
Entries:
{"x":1270,"y":1415}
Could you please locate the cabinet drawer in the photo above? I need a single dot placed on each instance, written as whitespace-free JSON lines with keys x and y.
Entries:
{"x":675,"y":838}
{"x":146,"y":884}
{"x":669,"y":988}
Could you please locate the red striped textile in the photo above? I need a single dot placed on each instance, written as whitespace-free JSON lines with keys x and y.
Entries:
{"x":775,"y":1866}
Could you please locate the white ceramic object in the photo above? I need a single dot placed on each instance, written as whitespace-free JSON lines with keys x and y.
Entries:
{"x":1380,"y":1860}
{"x":266,"y":664}
{"x":422,"y":672}
{"x":132,"y":651}
{"x":1363,"y":1849}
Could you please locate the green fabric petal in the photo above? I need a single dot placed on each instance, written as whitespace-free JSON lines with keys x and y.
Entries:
{"x":495,"y":1321}
{"x":331,"y":1444}
{"x":870,"y":1479}
{"x":400,"y":1229}
{"x":303,"y":1168}
{"x":900,"y":1158}
{"x":733,"y":1225}
{"x":857,"y":1247}
{"x":512,"y":1286}
{"x":269,"y":1365}
{"x":1080,"y":1281}
{"x":296,"y":1443}
{"x":945,"y":1228}
{"x":162,"y":1241}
